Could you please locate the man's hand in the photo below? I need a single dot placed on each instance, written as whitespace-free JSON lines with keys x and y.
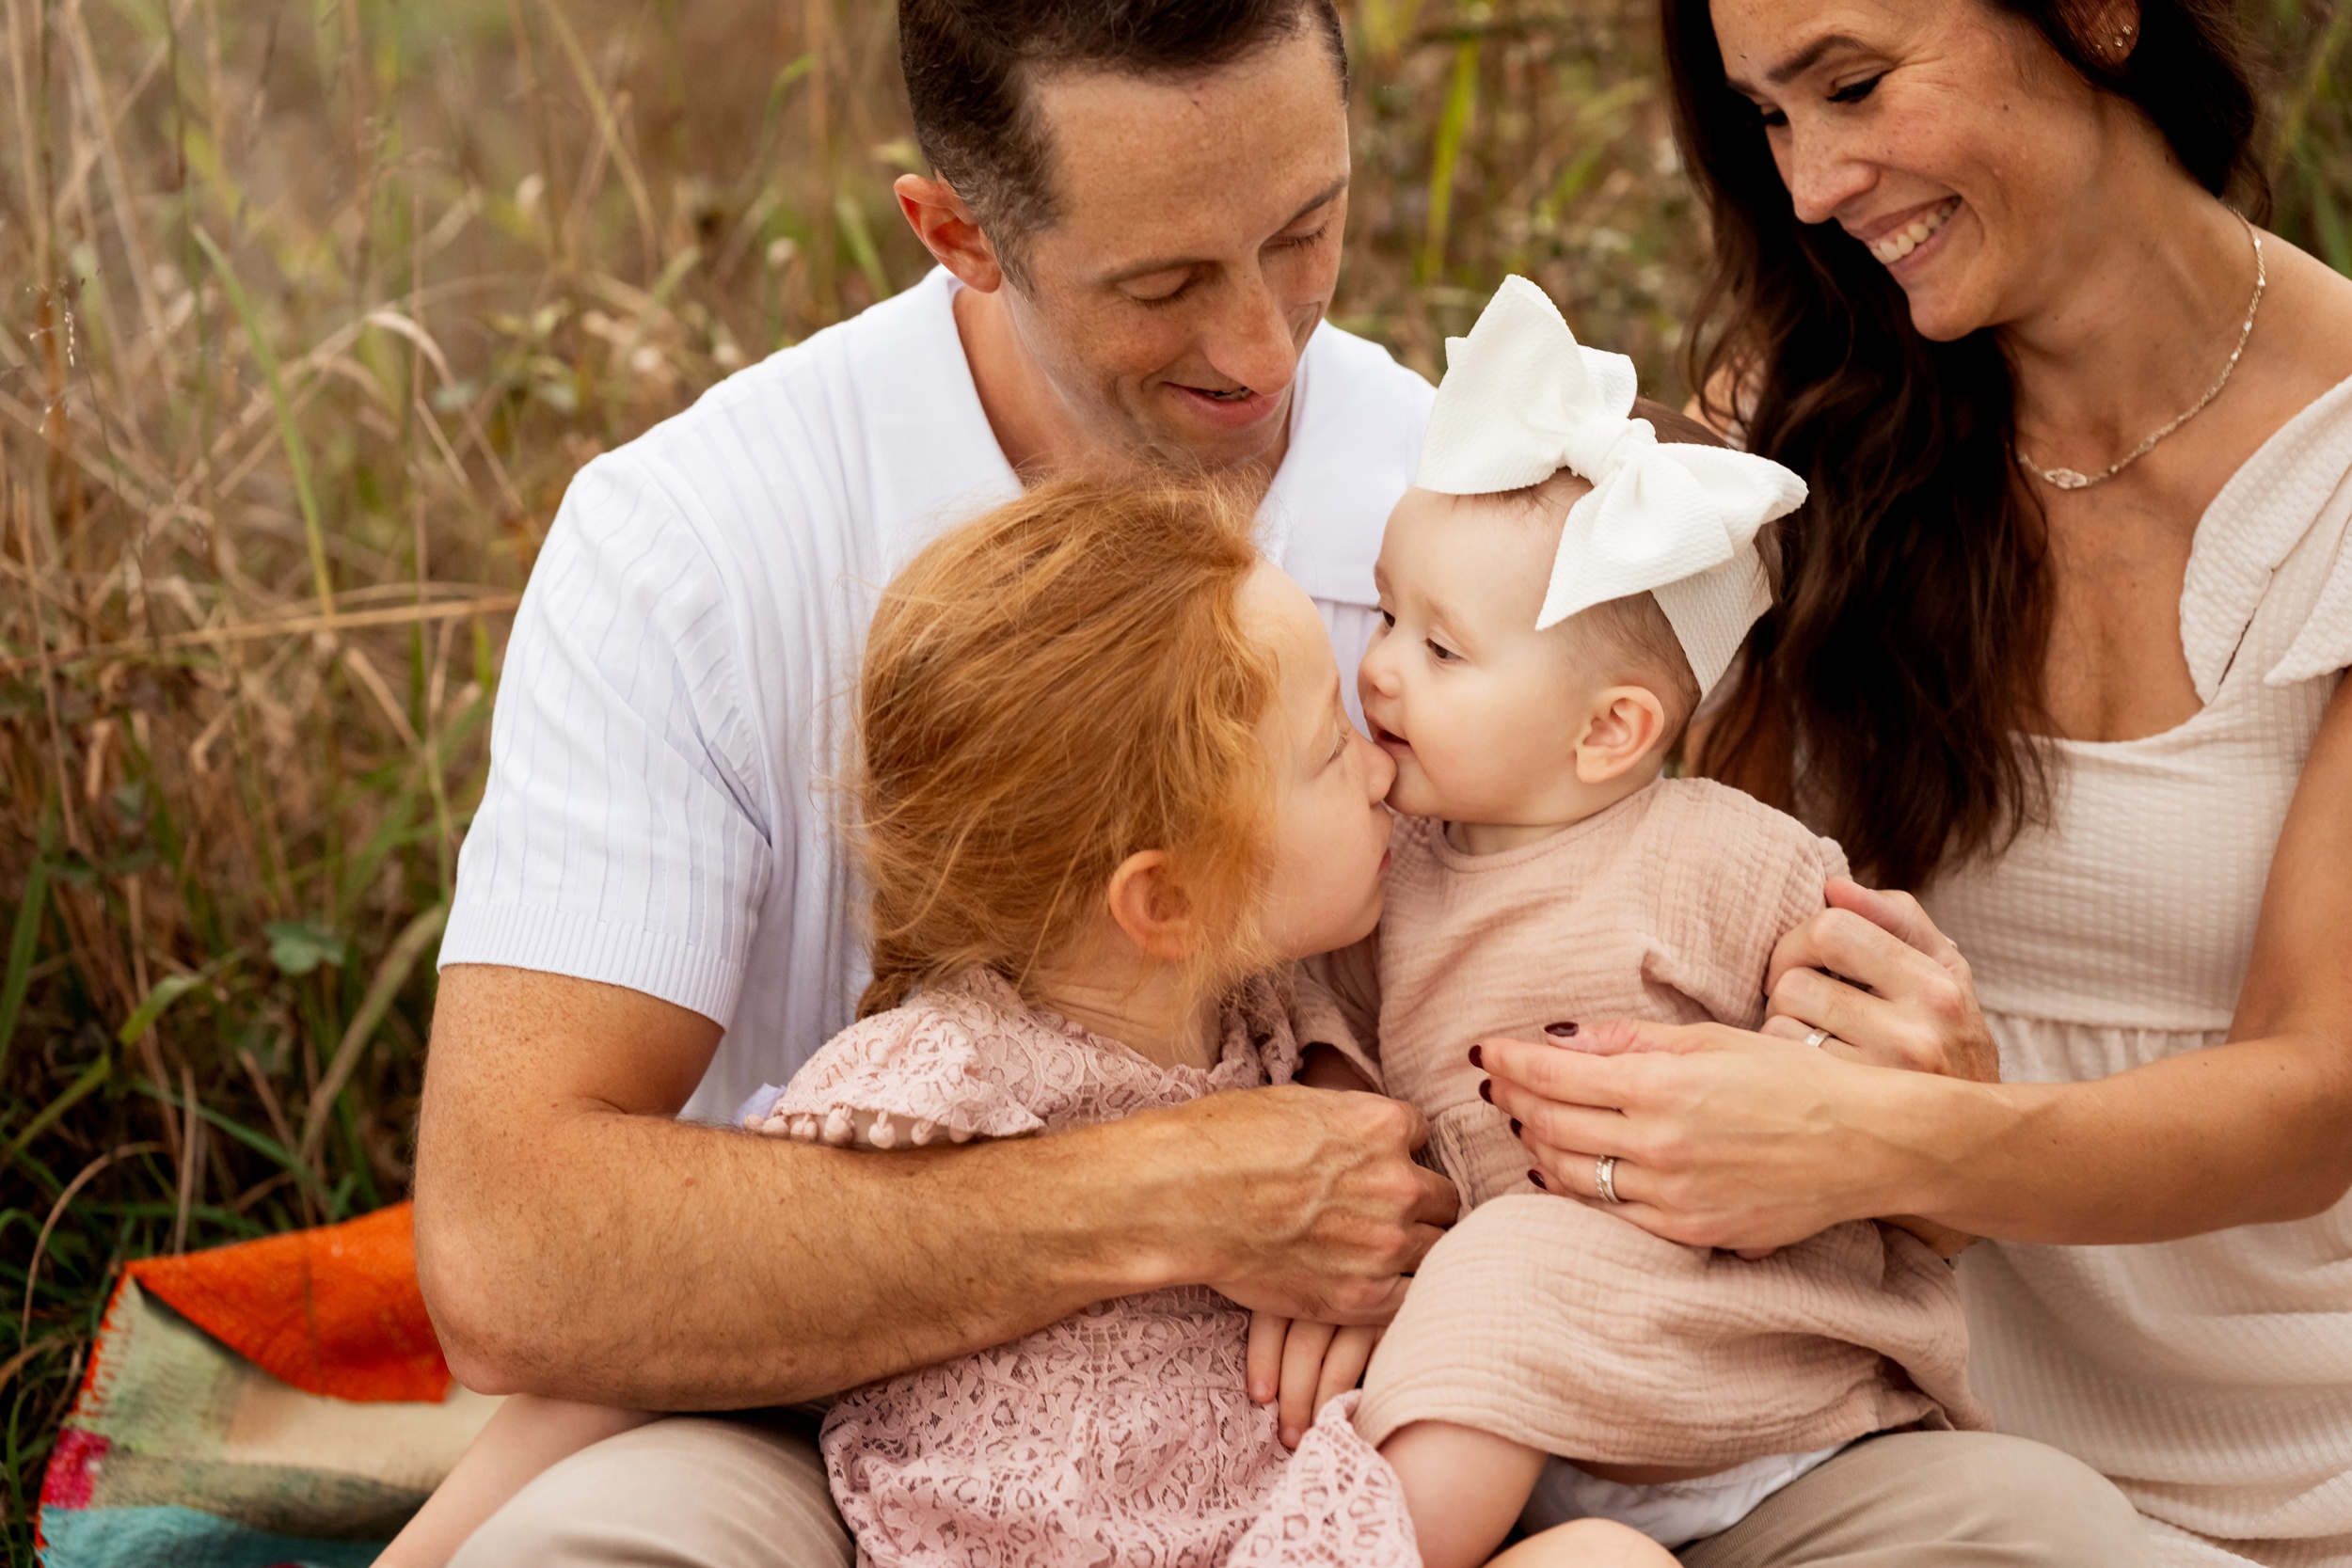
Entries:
{"x":574,"y":1240}
{"x":1302,"y":1202}
{"x":1304,"y":1365}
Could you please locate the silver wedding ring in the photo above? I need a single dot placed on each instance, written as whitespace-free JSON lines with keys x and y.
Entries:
{"x":1817,"y":1039}
{"x":1605,"y":1177}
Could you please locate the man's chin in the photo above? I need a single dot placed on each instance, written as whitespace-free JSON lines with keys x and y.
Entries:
{"x":1194,"y":431}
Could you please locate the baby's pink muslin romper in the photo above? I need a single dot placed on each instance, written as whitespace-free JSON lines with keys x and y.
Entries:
{"x":1124,"y":1434}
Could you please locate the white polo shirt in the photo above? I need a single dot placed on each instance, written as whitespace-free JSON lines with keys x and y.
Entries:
{"x":660,"y":811}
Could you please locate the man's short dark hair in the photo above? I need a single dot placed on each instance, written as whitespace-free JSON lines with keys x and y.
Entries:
{"x":969,"y":65}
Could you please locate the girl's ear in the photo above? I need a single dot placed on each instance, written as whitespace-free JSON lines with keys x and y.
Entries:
{"x":1150,"y":907}
{"x":1627,"y":724}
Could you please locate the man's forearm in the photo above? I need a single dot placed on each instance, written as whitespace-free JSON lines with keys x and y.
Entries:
{"x":634,"y":1260}
{"x":575,"y":1242}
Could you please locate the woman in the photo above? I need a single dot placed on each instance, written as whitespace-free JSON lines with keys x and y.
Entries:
{"x":2060,"y":643}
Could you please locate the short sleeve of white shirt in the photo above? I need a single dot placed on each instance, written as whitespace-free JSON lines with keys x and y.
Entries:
{"x":673,"y":705}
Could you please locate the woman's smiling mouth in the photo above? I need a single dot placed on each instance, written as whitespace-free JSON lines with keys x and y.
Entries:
{"x":1895,"y":243}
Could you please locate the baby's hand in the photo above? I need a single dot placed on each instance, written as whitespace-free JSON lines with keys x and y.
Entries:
{"x":1304,"y":1365}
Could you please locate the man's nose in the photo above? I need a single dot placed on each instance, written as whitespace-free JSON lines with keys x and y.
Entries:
{"x":1249,"y":339}
{"x":1823,"y":172}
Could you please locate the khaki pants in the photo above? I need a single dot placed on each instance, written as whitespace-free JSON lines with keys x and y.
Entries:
{"x":697,"y":1492}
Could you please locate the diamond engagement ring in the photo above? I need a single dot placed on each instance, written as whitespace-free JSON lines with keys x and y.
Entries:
{"x":1818,"y":1038}
{"x":1605,"y":1177}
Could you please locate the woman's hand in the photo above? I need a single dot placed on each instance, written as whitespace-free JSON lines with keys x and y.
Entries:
{"x":1723,"y":1138}
{"x":1890,"y":988}
{"x":1734,"y":1140}
{"x":1304,"y":1365}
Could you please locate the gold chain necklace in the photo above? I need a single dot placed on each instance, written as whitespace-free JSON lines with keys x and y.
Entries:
{"x":2067,"y":479}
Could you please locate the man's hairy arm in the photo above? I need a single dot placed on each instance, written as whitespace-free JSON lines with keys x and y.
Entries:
{"x":574,"y":1240}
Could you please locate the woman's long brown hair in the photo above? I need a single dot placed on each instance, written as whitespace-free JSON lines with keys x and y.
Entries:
{"x":1891,"y":694}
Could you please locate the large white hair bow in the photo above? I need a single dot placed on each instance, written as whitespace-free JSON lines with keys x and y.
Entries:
{"x":1523,"y":399}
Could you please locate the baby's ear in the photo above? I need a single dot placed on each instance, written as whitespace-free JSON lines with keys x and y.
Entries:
{"x":1626,"y":727}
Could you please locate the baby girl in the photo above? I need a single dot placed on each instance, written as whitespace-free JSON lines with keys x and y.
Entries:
{"x":1559,"y":593}
{"x":1106,"y":792}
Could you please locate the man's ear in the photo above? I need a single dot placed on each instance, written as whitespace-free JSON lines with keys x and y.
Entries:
{"x":1626,"y":726}
{"x":1149,"y":908}
{"x":949,"y":230}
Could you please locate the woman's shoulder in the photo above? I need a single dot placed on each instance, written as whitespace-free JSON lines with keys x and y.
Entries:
{"x":2268,"y":589}
{"x":947,"y":1065}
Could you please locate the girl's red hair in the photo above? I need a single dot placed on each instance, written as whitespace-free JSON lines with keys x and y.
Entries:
{"x":1048,"y":689}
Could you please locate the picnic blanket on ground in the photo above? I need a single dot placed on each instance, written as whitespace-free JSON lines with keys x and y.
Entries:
{"x":278,"y":1403}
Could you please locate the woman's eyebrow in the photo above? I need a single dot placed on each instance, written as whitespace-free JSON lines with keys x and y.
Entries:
{"x":1799,"y":63}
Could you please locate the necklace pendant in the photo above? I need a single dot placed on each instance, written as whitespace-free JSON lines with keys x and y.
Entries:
{"x":2067,"y":479}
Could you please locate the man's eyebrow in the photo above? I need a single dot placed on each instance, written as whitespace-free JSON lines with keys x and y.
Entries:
{"x":1803,"y":61}
{"x":1329,"y":194}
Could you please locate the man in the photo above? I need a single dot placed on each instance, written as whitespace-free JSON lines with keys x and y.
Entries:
{"x":1136,"y":211}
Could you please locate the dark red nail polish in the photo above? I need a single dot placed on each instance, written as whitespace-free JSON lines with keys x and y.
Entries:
{"x":1560,"y":1030}
{"x":1514,"y":1127}
{"x":1477,"y":1060}
{"x":1486,"y":1090}
{"x":1537,"y":1176}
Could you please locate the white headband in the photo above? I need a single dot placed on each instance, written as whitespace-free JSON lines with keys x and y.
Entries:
{"x":1523,"y":399}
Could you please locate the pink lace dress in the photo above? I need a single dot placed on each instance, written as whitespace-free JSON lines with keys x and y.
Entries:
{"x":1124,"y":1434}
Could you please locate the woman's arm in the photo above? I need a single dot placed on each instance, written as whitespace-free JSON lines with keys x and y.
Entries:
{"x":1731,"y":1140}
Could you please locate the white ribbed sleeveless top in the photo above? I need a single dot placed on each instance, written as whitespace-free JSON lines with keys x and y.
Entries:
{"x":2212,"y":1377}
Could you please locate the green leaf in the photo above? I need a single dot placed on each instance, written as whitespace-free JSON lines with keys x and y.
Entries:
{"x":300,"y":946}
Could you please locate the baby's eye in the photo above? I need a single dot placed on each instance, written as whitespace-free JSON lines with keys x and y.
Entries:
{"x":1444,"y":655}
{"x":1387,"y":620}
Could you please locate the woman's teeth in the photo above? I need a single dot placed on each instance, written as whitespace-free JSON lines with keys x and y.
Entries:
{"x":1893,"y":248}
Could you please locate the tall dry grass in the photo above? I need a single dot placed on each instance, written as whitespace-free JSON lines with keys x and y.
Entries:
{"x":310,"y":314}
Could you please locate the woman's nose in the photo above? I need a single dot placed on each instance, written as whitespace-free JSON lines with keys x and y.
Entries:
{"x":1822,"y":172}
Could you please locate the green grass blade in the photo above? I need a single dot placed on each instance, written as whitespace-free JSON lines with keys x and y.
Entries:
{"x":167,"y":991}
{"x":860,"y":239}
{"x":1445,"y":158}
{"x":24,"y":942}
{"x":75,"y":1092}
{"x":261,"y":1142}
{"x":289,"y":433}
